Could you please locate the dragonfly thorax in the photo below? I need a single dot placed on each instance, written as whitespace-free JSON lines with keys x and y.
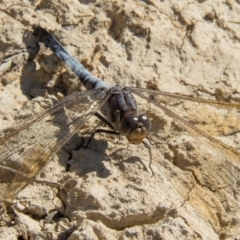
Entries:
{"x":135,"y":128}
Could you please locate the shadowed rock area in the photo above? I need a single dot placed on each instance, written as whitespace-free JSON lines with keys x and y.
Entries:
{"x":106,"y":191}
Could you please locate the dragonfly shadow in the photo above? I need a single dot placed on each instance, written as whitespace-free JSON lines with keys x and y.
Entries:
{"x":31,"y":79}
{"x":34,"y":80}
{"x":90,"y":159}
{"x":130,"y":160}
{"x":135,"y":159}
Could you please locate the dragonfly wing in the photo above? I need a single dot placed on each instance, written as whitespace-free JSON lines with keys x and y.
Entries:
{"x":221,"y":171}
{"x":185,"y":97}
{"x":74,"y":98}
{"x":20,"y":136}
{"x":37,"y":143}
{"x":224,"y":150}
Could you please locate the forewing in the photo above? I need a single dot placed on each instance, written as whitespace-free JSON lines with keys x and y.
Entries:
{"x":29,"y":149}
{"x":211,"y":142}
{"x":217,"y":169}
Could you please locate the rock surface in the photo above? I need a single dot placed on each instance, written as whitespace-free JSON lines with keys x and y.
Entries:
{"x":106,"y":191}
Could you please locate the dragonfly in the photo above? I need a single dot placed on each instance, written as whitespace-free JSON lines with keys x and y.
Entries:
{"x":39,"y":138}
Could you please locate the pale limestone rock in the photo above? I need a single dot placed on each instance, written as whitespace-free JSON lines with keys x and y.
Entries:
{"x":106,"y":191}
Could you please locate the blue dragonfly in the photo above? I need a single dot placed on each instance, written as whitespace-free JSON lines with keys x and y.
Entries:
{"x":114,"y":105}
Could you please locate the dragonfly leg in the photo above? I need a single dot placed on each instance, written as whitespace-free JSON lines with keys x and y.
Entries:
{"x":98,"y":131}
{"x":104,"y":120}
{"x":148,"y":146}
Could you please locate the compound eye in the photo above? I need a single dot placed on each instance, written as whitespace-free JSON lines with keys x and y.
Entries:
{"x":142,"y":118}
{"x":130,"y":122}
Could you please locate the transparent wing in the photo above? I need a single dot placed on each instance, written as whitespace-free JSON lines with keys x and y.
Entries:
{"x":186,"y":97}
{"x":29,"y":148}
{"x":218,"y":146}
{"x":217,"y":165}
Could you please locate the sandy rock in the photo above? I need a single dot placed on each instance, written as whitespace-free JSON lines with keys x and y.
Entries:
{"x":9,"y":233}
{"x":107,"y":190}
{"x":26,"y":224}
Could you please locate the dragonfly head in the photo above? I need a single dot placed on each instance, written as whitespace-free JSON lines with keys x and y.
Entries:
{"x":135,"y":128}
